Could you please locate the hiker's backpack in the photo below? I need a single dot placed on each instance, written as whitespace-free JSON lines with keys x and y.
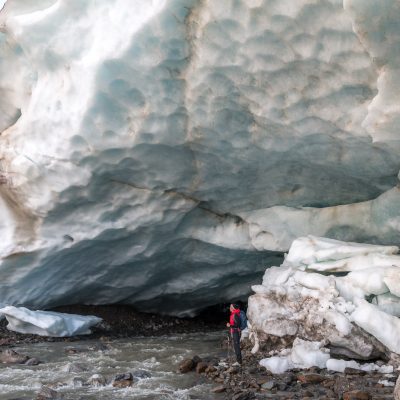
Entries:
{"x":243,"y":320}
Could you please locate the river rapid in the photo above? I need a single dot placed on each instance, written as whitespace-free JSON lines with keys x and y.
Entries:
{"x":67,"y":366}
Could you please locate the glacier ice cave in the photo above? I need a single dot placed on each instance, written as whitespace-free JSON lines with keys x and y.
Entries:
{"x":163,"y":153}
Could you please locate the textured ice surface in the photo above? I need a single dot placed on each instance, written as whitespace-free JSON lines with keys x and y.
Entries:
{"x":160,"y":153}
{"x":357,"y":314}
{"x":305,"y":354}
{"x":46,"y":323}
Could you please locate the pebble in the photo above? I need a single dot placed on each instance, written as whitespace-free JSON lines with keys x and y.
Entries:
{"x":354,"y":371}
{"x":356,"y":395}
{"x":47,"y":393}
{"x":268,"y":385}
{"x":311,"y":378}
{"x":219,"y":389}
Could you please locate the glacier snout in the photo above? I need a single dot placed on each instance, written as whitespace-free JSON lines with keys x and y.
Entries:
{"x":163,"y":153}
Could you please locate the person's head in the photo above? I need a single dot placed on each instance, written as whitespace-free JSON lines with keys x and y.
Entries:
{"x":233,"y":307}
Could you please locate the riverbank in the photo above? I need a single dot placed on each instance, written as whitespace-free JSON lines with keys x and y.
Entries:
{"x":229,"y":382}
{"x":251,"y":381}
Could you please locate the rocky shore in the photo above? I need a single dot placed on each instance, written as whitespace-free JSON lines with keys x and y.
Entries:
{"x":251,"y":381}
{"x":122,"y":322}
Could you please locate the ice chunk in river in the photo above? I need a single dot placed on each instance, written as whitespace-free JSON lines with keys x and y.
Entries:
{"x":48,"y":323}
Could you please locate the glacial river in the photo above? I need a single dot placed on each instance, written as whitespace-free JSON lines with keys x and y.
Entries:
{"x":68,"y":365}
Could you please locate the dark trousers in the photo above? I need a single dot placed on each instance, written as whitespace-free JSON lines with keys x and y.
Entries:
{"x":236,"y":345}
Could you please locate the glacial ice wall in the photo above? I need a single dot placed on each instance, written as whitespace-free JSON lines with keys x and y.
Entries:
{"x":162,"y":153}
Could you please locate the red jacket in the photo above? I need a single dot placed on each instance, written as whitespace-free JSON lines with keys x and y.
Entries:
{"x":234,"y":320}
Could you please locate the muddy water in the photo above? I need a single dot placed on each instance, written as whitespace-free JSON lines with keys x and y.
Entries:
{"x":159,"y":356}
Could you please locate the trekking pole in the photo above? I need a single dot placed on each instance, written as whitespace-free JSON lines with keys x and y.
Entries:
{"x":229,"y":349}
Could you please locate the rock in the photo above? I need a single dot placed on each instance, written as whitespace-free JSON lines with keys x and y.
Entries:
{"x":19,"y":398}
{"x":201,"y":367}
{"x":268,"y":385}
{"x":124,"y":380}
{"x":243,"y":396}
{"x":396,"y":392}
{"x":356,"y":395}
{"x":71,"y":350}
{"x":12,"y":357}
{"x":186,"y":365}
{"x":341,"y":385}
{"x":311,"y":378}
{"x":32,"y":361}
{"x":233,"y":370}
{"x":282,"y":386}
{"x":196,"y":360}
{"x":211,"y":360}
{"x":77,"y":381}
{"x":314,"y":370}
{"x":255,"y":385}
{"x":210,"y":369}
{"x":124,"y":377}
{"x":76,"y":368}
{"x":99,"y":347}
{"x":47,"y":393}
{"x":354,"y":371}
{"x":97,"y":380}
{"x":141,"y":374}
{"x":122,"y":384}
{"x":219,"y":389}
{"x":289,"y":378}
{"x":252,"y":370}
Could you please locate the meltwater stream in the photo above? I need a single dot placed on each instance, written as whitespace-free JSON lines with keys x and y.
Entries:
{"x":159,"y":356}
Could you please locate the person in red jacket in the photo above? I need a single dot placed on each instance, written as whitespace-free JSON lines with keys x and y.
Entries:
{"x":234,"y":324}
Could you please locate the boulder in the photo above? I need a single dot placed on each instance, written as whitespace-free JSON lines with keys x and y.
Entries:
{"x":47,"y":393}
{"x":201,"y":367}
{"x":97,"y":380}
{"x":12,"y":357}
{"x":186,"y":365}
{"x":124,"y":380}
{"x":141,"y":374}
{"x":32,"y":361}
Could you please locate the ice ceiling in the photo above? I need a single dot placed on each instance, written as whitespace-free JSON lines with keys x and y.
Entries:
{"x":161,"y":153}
